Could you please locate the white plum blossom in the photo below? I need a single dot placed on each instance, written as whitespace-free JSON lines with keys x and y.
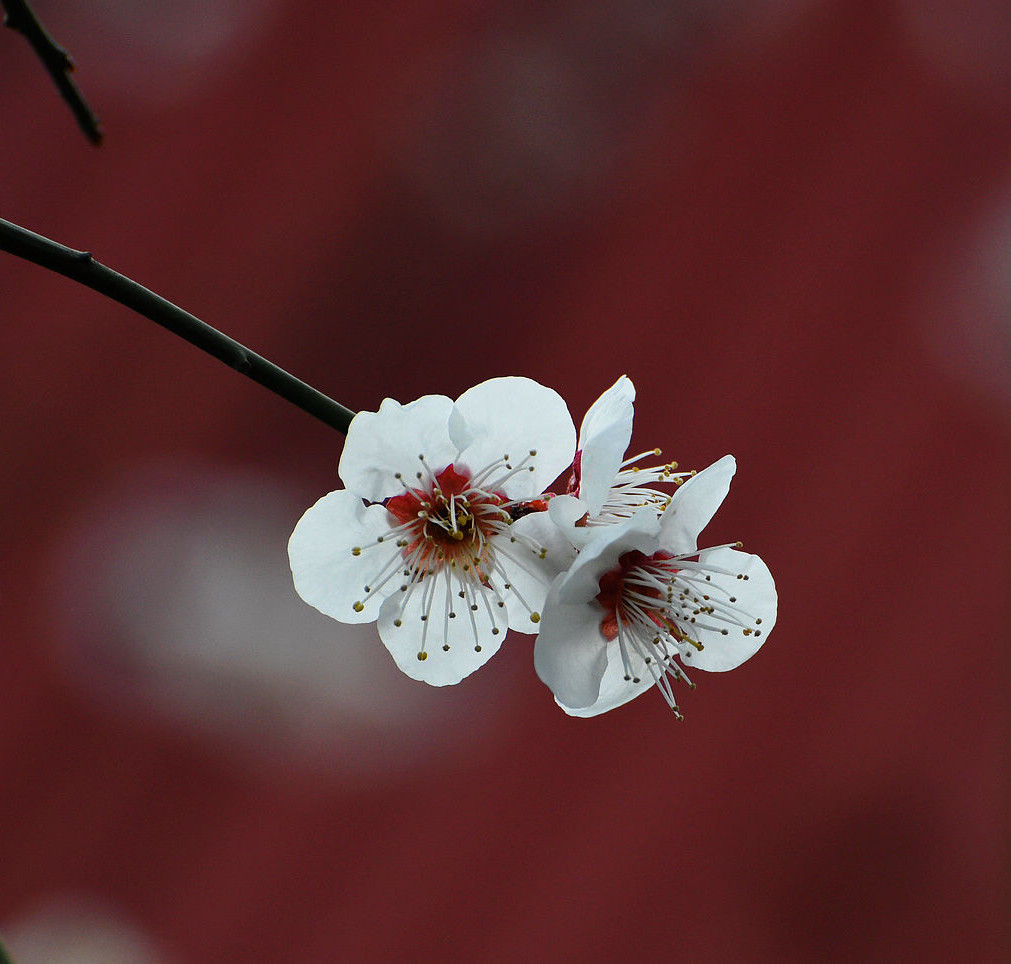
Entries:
{"x":605,"y":487}
{"x":641,"y":604}
{"x":443,"y":534}
{"x":439,"y":533}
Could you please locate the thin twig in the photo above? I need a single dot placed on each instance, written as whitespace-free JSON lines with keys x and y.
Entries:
{"x":19,"y":16}
{"x":83,"y":268}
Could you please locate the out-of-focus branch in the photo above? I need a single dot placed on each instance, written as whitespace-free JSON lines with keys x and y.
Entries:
{"x":19,"y":16}
{"x":83,"y":268}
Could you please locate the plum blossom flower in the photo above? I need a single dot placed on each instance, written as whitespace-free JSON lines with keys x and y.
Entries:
{"x":642,"y":603}
{"x":606,"y":487}
{"x":438,"y":534}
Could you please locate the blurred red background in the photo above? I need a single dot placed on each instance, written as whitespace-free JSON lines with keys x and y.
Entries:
{"x":790,"y":224}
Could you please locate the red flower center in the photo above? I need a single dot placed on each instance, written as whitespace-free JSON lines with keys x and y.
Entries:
{"x":616,"y":595}
{"x":446,"y":520}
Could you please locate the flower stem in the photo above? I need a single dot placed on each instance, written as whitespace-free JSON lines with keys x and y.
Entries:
{"x":19,"y":16}
{"x":83,"y":268}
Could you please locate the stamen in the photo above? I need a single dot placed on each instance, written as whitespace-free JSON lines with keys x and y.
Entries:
{"x":625,"y":661}
{"x":471,"y":609}
{"x":514,"y":470}
{"x":477,"y":480}
{"x":449,"y":613}
{"x":642,"y":455}
{"x":633,"y":488}
{"x":426,"y":604}
{"x":429,"y":473}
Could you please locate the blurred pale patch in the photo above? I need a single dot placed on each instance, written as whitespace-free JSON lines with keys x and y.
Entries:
{"x":155,"y":53}
{"x":174,"y":597}
{"x":963,"y":305}
{"x":77,"y":930}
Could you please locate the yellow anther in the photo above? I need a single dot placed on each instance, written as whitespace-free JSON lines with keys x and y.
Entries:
{"x":358,"y":607}
{"x":535,"y":617}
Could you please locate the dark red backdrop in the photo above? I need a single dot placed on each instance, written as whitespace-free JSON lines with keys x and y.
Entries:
{"x":791,"y":229}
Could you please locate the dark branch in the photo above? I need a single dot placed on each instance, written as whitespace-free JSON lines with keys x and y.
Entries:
{"x":19,"y":16}
{"x":83,"y":268}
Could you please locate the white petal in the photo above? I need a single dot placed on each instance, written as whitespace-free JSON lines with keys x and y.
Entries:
{"x":512,"y":416}
{"x":603,"y":439}
{"x":756,"y":600}
{"x":380,"y":444}
{"x":582,"y":582}
{"x":694,"y":504}
{"x":326,"y":573}
{"x":468,"y":629}
{"x":566,"y":510}
{"x":528,"y":574}
{"x":614,"y":689}
{"x":570,"y":652}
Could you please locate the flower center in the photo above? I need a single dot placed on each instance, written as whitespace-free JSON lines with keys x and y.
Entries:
{"x":454,"y":548}
{"x":642,"y":607}
{"x":657,"y":606}
{"x":447,"y":520}
{"x":626,"y":595}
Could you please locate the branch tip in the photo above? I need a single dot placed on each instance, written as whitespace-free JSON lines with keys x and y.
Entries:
{"x":20,"y":17}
